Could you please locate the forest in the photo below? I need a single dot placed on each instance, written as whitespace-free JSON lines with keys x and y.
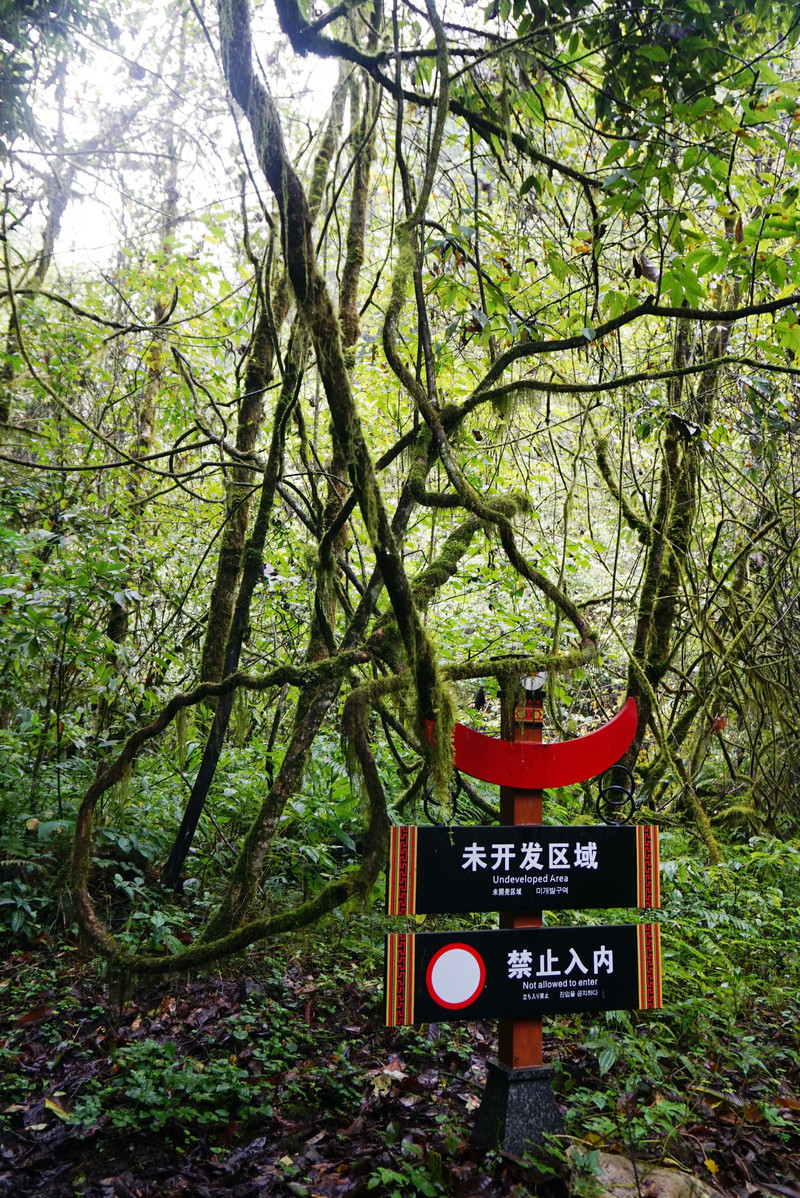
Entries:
{"x":358,"y":362}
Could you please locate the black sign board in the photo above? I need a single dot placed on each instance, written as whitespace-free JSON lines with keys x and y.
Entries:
{"x":521,"y":869}
{"x":521,"y":973}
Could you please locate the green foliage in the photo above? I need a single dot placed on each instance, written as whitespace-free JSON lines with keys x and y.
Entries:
{"x":220,"y":1074}
{"x":152,"y":1088}
{"x":655,"y":56}
{"x":410,"y":1178}
{"x":28,"y":30}
{"x":320,"y":827}
{"x":740,"y":926}
{"x":731,"y":974}
{"x":23,"y":908}
{"x":33,"y":852}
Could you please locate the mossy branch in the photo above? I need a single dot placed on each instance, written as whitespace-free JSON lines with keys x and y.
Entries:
{"x":647,"y":308}
{"x":315,"y":305}
{"x":521,"y":666}
{"x":355,"y":883}
{"x":632,"y":519}
{"x":661,"y":734}
{"x":556,"y":596}
{"x":112,"y":772}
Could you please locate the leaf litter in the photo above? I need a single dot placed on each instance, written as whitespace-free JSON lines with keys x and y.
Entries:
{"x":291,"y":1085}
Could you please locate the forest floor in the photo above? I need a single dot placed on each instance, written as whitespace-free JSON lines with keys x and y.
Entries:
{"x":278,"y":1077}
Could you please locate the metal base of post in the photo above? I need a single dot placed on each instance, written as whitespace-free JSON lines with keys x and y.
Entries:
{"x":517,"y":1110}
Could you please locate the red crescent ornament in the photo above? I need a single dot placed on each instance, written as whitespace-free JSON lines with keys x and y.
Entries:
{"x":526,"y":766}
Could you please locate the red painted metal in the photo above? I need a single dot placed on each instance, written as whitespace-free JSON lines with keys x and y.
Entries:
{"x":543,"y":766}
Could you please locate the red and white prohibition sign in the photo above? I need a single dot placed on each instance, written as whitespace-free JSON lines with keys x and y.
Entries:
{"x":456,"y":976}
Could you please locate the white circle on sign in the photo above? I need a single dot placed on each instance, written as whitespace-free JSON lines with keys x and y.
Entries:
{"x":456,"y":976}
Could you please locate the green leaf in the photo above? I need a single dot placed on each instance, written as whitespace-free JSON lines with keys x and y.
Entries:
{"x":618,"y":150}
{"x":653,"y":53}
{"x":607,"y":1059}
{"x":558,"y":266}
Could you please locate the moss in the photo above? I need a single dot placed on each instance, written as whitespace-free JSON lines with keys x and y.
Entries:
{"x":364,"y":152}
{"x":505,"y":405}
{"x":509,"y":506}
{"x":446,"y":563}
{"x":327,"y":149}
{"x":441,"y":702}
{"x":632,"y":519}
{"x":238,"y":496}
{"x":516,"y":667}
{"x":357,"y":882}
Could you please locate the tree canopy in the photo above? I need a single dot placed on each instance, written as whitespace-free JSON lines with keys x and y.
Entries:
{"x":419,"y":349}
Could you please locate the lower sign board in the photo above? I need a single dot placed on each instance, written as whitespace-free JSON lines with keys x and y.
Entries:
{"x":521,"y":973}
{"x":523,"y":868}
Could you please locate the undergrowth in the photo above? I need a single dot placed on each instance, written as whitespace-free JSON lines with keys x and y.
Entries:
{"x":726,"y":1041}
{"x":301,"y":1042}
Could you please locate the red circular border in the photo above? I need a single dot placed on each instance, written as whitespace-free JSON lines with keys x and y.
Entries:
{"x":455,"y":1006}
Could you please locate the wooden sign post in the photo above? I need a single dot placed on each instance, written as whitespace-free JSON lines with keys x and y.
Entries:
{"x":523,"y":970}
{"x":518,"y":1104}
{"x":520,"y":1041}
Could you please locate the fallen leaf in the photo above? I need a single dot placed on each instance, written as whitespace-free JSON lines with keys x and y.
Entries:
{"x":57,"y":1109}
{"x":34,"y":1015}
{"x":229,"y":1135}
{"x":123,"y":1187}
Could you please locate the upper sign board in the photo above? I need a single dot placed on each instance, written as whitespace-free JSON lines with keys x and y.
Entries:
{"x":521,"y":869}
